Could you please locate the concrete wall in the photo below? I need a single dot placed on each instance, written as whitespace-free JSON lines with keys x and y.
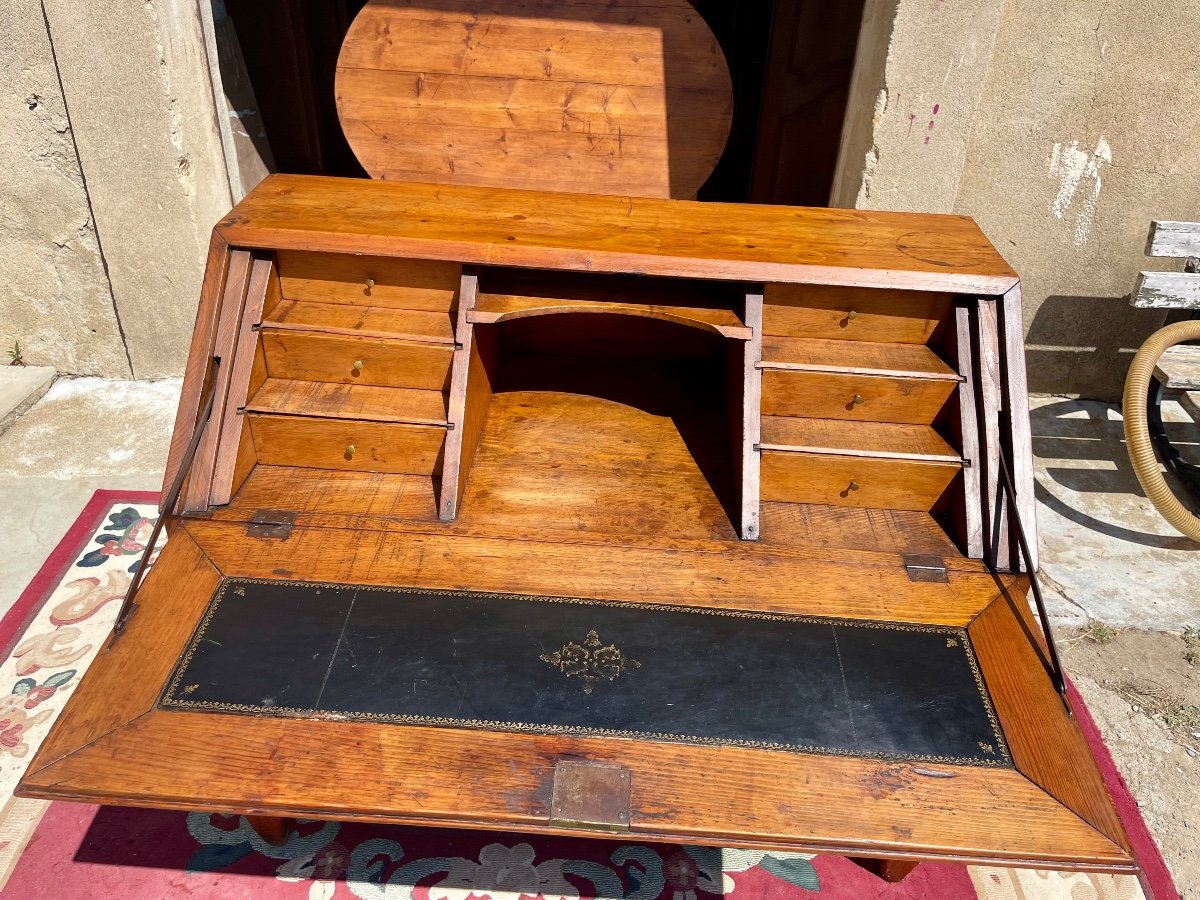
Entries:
{"x":1063,"y":129}
{"x":108,"y":188}
{"x":54,"y":295}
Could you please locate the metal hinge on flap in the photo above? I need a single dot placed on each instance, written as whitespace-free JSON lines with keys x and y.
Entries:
{"x":271,"y":523}
{"x":925,"y":567}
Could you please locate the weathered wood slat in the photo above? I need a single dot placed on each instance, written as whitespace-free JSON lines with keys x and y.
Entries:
{"x":1167,"y":290}
{"x":1179,"y":368}
{"x":1174,"y":239}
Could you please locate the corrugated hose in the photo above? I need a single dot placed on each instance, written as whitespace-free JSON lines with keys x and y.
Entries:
{"x":1137,"y":433}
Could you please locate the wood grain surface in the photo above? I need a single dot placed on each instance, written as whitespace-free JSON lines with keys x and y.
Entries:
{"x":587,"y":232}
{"x":592,"y":96}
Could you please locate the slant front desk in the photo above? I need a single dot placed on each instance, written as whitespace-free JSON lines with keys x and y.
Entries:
{"x":582,"y":514}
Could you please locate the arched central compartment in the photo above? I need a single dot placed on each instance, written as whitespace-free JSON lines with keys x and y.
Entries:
{"x":606,"y":422}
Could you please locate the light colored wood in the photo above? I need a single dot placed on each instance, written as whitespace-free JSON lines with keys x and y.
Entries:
{"x":302,"y":769}
{"x":1178,"y":369}
{"x":1166,"y":290}
{"x":820,"y":311}
{"x":584,"y":465}
{"x":1174,"y":239}
{"x":730,"y":574}
{"x":809,"y":477}
{"x":453,"y":474}
{"x":318,"y":357}
{"x":197,"y":488}
{"x":1045,"y":741}
{"x":362,"y":402}
{"x":326,"y":498}
{"x":212,"y":289}
{"x":832,"y":396}
{"x":997,"y":539}
{"x":337,"y":498}
{"x":343,"y":278}
{"x":501,"y":308}
{"x":233,"y":450}
{"x":864,"y":439}
{"x":176,"y":588}
{"x":849,"y":528}
{"x":325,"y":443}
{"x":458,"y":94}
{"x":1017,"y":424}
{"x":971,"y":524}
{"x":365,"y":321}
{"x":481,"y":377}
{"x":580,"y":232}
{"x":855,"y":358}
{"x":749,"y":417}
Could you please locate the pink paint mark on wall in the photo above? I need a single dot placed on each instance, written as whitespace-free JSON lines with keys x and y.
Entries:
{"x":932,"y":122}
{"x":912,"y":117}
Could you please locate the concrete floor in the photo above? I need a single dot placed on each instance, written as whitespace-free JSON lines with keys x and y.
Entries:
{"x":1107,"y":555}
{"x":1107,"y":558}
{"x":84,"y":434}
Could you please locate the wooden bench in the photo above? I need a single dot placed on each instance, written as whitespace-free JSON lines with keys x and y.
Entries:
{"x":1179,"y":368}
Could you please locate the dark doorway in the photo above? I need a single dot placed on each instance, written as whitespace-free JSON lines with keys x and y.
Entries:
{"x":791,"y":62}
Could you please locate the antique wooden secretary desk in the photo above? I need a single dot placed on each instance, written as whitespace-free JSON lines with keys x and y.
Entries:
{"x":580,"y":513}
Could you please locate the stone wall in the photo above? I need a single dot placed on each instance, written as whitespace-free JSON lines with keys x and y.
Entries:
{"x":111,"y":177}
{"x":1063,"y":129}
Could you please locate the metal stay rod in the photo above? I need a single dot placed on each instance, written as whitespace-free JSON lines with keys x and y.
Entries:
{"x":1056,"y":669}
{"x":208,"y":398}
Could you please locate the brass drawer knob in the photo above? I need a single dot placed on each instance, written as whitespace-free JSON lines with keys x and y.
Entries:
{"x":851,"y":315}
{"x":370,"y":285}
{"x":854,"y":485}
{"x":859,"y":399}
{"x":349,"y":451}
{"x":357,"y":366}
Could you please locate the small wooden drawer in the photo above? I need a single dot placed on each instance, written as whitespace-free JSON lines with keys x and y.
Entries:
{"x":369,"y":280}
{"x":867,"y":398}
{"x":877,"y":483}
{"x":854,"y":314}
{"x":343,"y":444}
{"x":304,"y":356}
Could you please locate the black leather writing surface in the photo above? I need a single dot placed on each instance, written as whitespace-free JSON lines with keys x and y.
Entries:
{"x":556,"y":665}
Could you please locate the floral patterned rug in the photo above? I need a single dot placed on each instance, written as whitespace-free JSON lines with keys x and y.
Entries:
{"x":69,"y":851}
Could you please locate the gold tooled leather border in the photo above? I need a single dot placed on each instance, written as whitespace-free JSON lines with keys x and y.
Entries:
{"x":171,"y":700}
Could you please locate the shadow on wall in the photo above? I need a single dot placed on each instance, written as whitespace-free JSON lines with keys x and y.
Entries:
{"x":1088,"y":438}
{"x":1083,"y":345}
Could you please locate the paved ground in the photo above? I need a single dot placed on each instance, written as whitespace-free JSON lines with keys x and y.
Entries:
{"x":84,"y":434}
{"x":1123,"y":589}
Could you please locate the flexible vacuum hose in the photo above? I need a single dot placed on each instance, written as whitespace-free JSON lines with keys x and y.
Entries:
{"x":1137,"y":433}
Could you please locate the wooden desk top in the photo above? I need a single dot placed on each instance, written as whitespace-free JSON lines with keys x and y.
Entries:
{"x":674,"y":238}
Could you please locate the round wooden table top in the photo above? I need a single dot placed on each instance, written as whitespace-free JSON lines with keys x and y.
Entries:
{"x":589,"y":96}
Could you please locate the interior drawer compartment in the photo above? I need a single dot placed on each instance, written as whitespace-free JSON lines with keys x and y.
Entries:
{"x":434,"y":327}
{"x":342,"y":444}
{"x":854,"y":314}
{"x":861,"y":464}
{"x":869,"y":398}
{"x":506,"y":294}
{"x":874,"y":482}
{"x":303,"y":356}
{"x":330,"y":400}
{"x":369,"y":280}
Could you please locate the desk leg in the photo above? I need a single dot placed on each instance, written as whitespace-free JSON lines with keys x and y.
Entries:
{"x":272,"y":829}
{"x":890,"y":870}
